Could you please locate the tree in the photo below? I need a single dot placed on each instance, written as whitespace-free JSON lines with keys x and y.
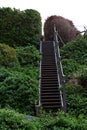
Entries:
{"x":66,"y":29}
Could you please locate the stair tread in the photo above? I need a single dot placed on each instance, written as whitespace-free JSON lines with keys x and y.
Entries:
{"x":49,"y":87}
{"x":53,"y":90}
{"x":51,"y":102}
{"x":51,"y":96}
{"x":49,"y":84}
{"x":49,"y":92}
{"x":53,"y":106}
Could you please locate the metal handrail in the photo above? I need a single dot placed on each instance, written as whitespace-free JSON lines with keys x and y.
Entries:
{"x":61,"y":76}
{"x":38,"y":105}
{"x":40,"y":75}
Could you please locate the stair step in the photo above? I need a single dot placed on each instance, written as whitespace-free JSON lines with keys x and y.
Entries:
{"x":46,"y":93}
{"x":48,"y":58}
{"x":52,"y":107}
{"x":48,"y":70}
{"x":49,"y":89}
{"x":48,"y":62}
{"x":47,"y":78}
{"x":49,"y":81}
{"x":49,"y":75}
{"x":50,"y":100}
{"x":50,"y":96}
{"x":51,"y":103}
{"x":49,"y":84}
{"x":52,"y":84}
{"x":49,"y":65}
{"x":46,"y":51}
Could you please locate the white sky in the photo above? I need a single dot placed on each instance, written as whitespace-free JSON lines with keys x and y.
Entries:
{"x":75,"y":10}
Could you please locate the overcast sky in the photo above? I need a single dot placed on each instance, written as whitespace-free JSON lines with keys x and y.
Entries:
{"x":75,"y":10}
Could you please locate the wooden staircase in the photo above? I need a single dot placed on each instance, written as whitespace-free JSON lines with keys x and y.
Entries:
{"x":50,"y":94}
{"x":51,"y":77}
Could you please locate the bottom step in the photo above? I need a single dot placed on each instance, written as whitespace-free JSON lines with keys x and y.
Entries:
{"x":52,"y":107}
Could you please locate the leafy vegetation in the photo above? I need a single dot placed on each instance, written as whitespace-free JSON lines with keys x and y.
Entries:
{"x":18,"y":90}
{"x":8,"y":56}
{"x":76,"y":100}
{"x":10,"y":119}
{"x":70,"y":66}
{"x":20,"y":27}
{"x":28,"y":55}
{"x":13,"y":120}
{"x":76,"y":50}
{"x":82,"y":77}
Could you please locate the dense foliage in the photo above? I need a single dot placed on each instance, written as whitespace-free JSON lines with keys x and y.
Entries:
{"x":76,"y":100}
{"x":18,"y":90}
{"x":11,"y":120}
{"x":82,"y":77}
{"x":74,"y":56}
{"x":15,"y":121}
{"x":70,"y":66}
{"x":19,"y":27}
{"x":76,"y":50}
{"x":28,"y":55}
{"x":8,"y":56}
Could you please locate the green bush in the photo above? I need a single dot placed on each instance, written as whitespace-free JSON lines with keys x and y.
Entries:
{"x":12,"y":120}
{"x":61,"y":122}
{"x":76,"y":50}
{"x":82,"y":77}
{"x":70,"y":66}
{"x":18,"y":90}
{"x":8,"y":56}
{"x":31,"y":71}
{"x":19,"y":28}
{"x":28,"y":55}
{"x":76,"y":100}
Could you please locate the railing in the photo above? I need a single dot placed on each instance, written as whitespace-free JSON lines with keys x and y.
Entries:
{"x":39,"y":103}
{"x":61,"y":76}
{"x":40,"y":73}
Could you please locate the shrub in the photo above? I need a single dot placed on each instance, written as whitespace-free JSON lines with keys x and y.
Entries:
{"x":19,"y":28}
{"x":83,"y":78}
{"x":70,"y":66}
{"x":61,"y":122}
{"x":8,"y":56}
{"x":12,"y":120}
{"x":76,"y":100}
{"x":28,"y":55}
{"x":76,"y":50}
{"x":18,"y":90}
